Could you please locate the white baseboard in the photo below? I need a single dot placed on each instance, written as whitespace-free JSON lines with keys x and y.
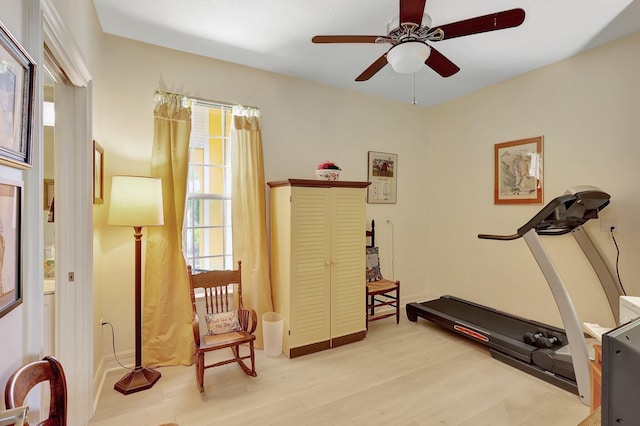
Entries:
{"x":415,"y":298}
{"x":98,"y":381}
{"x":109,"y":363}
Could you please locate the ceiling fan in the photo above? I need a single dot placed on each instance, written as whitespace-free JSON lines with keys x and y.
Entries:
{"x":409,"y":33}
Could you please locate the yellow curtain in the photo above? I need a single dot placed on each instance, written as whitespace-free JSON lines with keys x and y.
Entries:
{"x":166,"y":331}
{"x":249,"y":217}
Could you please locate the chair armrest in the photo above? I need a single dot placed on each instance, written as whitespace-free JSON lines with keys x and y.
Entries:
{"x":195,"y":324}
{"x":248,"y":320}
{"x":254,"y":321}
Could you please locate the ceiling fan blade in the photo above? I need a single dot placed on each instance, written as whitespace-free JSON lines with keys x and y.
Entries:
{"x":345,"y":39}
{"x":412,"y":11}
{"x":440,"y":64}
{"x":373,"y":68}
{"x":495,"y":21}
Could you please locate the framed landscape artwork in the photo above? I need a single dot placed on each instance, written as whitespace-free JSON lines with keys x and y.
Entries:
{"x":518,"y":172}
{"x":17,"y":83}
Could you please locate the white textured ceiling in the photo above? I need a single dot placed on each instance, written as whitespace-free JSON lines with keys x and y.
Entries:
{"x":275,"y":35}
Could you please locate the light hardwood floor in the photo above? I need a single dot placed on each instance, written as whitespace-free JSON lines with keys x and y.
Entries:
{"x":406,"y":374}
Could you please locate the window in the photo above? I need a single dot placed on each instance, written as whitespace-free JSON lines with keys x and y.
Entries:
{"x":207,"y":226}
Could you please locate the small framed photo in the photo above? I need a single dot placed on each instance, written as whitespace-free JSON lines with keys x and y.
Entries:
{"x":98,"y":173}
{"x":49,"y":192}
{"x":518,"y":172}
{"x":10,"y":233}
{"x":17,"y":85}
{"x":383,"y":174}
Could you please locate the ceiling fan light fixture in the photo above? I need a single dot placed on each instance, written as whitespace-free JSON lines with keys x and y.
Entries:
{"x":408,"y":57}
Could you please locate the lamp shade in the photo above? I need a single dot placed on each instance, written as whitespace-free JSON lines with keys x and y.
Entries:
{"x":136,"y":201}
{"x":408,"y":57}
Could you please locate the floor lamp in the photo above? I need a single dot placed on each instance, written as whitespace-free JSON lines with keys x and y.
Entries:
{"x":136,"y":201}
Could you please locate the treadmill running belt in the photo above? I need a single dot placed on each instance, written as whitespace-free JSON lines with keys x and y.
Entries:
{"x":484,"y":317}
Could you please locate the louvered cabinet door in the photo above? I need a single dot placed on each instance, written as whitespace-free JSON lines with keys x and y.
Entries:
{"x":348,"y":227}
{"x":310,"y":266}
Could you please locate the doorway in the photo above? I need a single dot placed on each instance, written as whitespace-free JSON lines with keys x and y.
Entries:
{"x":73,"y":208}
{"x":48,"y":205}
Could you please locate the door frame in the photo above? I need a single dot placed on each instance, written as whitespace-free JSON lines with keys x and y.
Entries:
{"x":74,"y":208}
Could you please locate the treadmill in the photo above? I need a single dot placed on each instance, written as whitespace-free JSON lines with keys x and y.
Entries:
{"x":558,"y":356}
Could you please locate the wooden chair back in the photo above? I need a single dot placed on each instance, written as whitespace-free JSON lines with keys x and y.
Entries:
{"x":371,"y":235}
{"x":28,"y":376}
{"x":218,"y":288}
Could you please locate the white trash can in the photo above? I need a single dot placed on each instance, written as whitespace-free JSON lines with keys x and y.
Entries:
{"x":272,"y":328}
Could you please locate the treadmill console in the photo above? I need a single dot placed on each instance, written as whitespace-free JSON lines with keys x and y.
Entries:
{"x":562,"y":214}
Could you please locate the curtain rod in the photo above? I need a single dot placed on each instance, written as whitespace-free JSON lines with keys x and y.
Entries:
{"x":162,"y":92}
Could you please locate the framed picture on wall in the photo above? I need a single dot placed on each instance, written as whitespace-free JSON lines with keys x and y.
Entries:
{"x":17,"y":83}
{"x":383,"y":174}
{"x":518,"y":172}
{"x":10,"y":232}
{"x":98,"y":173}
{"x":48,"y":192}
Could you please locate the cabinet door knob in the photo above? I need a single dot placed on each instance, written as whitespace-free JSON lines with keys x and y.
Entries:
{"x":326,"y":263}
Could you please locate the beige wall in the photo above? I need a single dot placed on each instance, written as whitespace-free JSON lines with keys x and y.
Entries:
{"x":303,"y":124}
{"x":586,"y":108}
{"x":22,"y":327}
{"x":12,"y":325}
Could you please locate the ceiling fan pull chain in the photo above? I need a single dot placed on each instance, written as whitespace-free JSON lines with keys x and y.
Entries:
{"x":414,"y":102}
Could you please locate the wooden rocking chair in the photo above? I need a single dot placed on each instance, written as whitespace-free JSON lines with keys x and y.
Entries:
{"x":227,"y":327}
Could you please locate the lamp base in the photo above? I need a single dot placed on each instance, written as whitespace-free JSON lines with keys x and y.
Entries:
{"x":138,"y":380}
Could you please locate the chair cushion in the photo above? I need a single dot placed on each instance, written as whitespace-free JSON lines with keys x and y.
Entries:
{"x":373,"y":265}
{"x":223,"y":322}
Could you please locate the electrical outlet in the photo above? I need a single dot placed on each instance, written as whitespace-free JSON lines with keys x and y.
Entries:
{"x":606,"y":223}
{"x":101,"y":324}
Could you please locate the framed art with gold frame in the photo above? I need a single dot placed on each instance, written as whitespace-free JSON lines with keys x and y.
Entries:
{"x":518,"y":172}
{"x":98,"y":173}
{"x":10,"y":238}
{"x":49,"y":193}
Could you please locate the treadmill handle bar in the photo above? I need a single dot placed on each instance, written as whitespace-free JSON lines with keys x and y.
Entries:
{"x":499,"y":237}
{"x":572,"y":326}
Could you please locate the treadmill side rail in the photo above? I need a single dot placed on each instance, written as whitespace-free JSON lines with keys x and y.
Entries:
{"x":573,"y":329}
